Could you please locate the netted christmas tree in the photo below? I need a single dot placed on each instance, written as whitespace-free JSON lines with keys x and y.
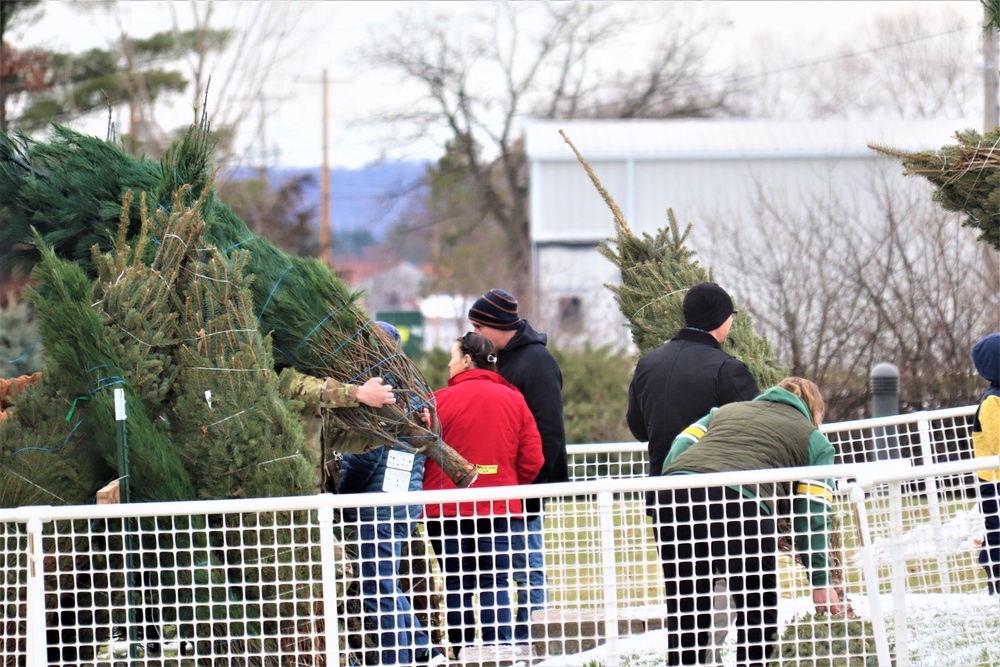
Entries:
{"x":655,"y":272}
{"x":967,"y":177}
{"x":178,"y":334}
{"x":834,"y":640}
{"x":195,"y":317}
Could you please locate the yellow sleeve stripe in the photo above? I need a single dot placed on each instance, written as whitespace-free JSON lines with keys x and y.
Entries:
{"x":815,"y":489}
{"x":694,"y":431}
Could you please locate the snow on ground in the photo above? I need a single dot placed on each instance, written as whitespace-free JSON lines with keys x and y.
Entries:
{"x":961,"y":534}
{"x":944,"y":631}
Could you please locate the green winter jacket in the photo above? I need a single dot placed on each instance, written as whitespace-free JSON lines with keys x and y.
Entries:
{"x":774,"y":430}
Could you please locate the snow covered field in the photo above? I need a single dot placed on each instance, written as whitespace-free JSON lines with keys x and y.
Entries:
{"x":938,"y":637}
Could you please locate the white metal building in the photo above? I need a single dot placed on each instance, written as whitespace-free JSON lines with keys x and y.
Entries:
{"x":706,"y":171}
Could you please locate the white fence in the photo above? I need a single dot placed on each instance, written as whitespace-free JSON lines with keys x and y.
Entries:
{"x":276,"y":581}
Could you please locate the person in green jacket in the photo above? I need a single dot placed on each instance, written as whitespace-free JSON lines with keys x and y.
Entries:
{"x":731,"y":532}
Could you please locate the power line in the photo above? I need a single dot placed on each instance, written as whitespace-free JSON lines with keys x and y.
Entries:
{"x":815,"y":63}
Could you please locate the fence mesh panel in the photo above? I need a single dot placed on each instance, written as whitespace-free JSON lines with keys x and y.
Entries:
{"x":318,"y":580}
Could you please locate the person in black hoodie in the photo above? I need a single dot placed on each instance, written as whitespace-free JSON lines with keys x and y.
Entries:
{"x":524,"y":360}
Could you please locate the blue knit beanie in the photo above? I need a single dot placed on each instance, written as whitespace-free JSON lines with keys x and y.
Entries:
{"x":496,"y":309}
{"x":391,"y":330}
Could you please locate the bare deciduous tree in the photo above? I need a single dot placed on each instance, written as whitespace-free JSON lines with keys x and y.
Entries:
{"x":914,"y":65}
{"x":837,"y":290}
{"x":237,"y":46}
{"x":479,"y":78}
{"x":259,"y":37}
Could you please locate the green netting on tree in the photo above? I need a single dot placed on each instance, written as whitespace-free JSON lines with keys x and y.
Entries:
{"x":85,"y":364}
{"x":69,"y":199}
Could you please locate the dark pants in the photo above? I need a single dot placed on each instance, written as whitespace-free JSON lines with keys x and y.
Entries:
{"x":707,"y":534}
{"x":474,"y":554}
{"x":989,"y":556}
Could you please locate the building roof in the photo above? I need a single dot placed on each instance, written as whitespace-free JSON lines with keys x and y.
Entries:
{"x":730,"y":138}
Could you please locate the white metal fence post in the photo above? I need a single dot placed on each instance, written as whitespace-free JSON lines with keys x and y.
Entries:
{"x":934,"y":502}
{"x":605,"y":502}
{"x":36,"y":640}
{"x":897,"y":575}
{"x":871,"y":575}
{"x":328,"y":558}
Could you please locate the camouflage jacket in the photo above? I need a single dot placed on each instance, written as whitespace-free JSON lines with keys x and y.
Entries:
{"x":316,"y":393}
{"x":325,"y":434}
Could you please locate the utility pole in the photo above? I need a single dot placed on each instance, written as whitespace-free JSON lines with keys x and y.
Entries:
{"x":325,"y":249}
{"x":262,"y":166}
{"x":325,"y":224}
{"x":991,"y":84}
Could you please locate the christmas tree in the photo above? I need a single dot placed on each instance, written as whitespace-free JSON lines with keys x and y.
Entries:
{"x":655,"y":273}
{"x":194,"y":317}
{"x":967,"y":177}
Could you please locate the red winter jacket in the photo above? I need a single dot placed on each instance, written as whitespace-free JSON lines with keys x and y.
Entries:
{"x":485,"y":419}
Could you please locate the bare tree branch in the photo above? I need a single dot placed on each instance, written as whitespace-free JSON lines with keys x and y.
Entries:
{"x":838,"y":290}
{"x":479,"y":80}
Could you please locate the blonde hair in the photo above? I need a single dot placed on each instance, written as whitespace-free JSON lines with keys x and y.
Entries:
{"x":808,"y":392}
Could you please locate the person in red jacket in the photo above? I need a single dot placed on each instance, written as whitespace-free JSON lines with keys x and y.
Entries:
{"x":488,"y":422}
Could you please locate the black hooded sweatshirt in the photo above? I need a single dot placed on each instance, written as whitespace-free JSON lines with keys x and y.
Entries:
{"x":527,"y":364}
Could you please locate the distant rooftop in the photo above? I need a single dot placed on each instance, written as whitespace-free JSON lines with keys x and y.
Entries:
{"x":715,"y":138}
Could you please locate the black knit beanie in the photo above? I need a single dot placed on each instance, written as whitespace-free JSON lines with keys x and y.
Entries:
{"x":496,"y":309}
{"x":706,"y":307}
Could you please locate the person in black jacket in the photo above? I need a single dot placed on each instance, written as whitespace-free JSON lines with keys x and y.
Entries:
{"x":680,"y":381}
{"x":525,"y":362}
{"x":683,"y":379}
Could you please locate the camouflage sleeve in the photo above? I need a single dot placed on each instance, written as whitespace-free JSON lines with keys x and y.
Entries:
{"x":316,"y":393}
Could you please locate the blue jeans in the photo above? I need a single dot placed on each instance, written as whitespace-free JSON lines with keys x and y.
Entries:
{"x":474,"y":554}
{"x":381,"y":547}
{"x":528,"y":561}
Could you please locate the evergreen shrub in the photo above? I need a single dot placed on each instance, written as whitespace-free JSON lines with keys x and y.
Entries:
{"x":826,"y":641}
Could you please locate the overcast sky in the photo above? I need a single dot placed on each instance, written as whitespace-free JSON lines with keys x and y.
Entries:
{"x":331,"y":33}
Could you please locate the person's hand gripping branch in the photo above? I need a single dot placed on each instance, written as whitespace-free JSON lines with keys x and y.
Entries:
{"x":375,"y":393}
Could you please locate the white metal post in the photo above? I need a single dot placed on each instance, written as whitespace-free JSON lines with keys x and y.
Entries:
{"x":37,"y":651}
{"x":897,"y":575}
{"x":871,"y":575}
{"x":934,"y":504}
{"x":605,"y":502}
{"x":328,"y":558}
